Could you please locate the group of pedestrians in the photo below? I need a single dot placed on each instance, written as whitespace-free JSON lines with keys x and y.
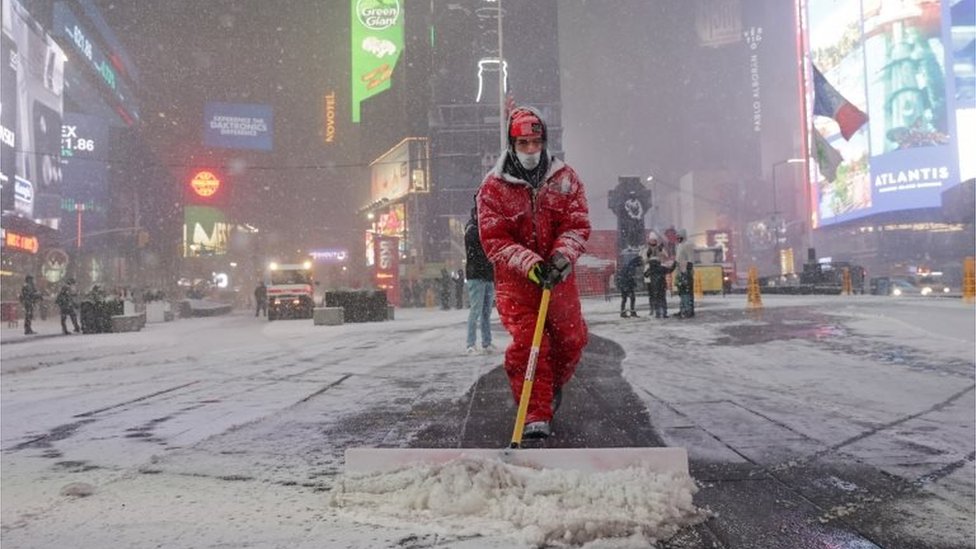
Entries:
{"x":655,"y":264}
{"x":66,"y":300}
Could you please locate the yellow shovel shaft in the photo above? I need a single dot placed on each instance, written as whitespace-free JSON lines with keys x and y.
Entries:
{"x":523,"y":408}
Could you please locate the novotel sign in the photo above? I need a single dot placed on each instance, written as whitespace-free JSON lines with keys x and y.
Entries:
{"x":205,"y":184}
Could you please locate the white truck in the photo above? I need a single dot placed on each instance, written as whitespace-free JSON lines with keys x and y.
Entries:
{"x":290,"y":290}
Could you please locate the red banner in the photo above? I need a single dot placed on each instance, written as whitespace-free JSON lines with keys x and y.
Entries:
{"x":386,"y":261}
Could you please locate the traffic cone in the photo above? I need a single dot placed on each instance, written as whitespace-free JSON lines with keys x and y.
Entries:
{"x":846,"y":289}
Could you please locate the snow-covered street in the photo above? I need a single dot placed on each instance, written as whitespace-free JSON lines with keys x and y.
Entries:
{"x":844,"y":419}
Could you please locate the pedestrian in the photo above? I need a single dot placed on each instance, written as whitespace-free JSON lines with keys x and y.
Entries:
{"x":481,"y":287}
{"x":405,"y":293}
{"x":654,"y":248}
{"x":261,"y":299}
{"x":67,"y":302}
{"x":419,"y":295}
{"x":29,"y":296}
{"x":533,"y":220}
{"x":458,"y":277}
{"x":656,"y":273}
{"x":445,"y":287}
{"x":627,"y":284}
{"x":684,"y":257}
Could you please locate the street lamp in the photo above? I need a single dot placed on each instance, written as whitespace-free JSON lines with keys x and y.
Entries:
{"x":778,"y":229}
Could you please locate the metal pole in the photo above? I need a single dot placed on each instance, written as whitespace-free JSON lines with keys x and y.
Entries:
{"x":79,"y":208}
{"x":502,"y":121}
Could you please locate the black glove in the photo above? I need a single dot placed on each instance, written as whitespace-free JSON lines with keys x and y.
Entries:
{"x":543,"y":275}
{"x":560,"y":266}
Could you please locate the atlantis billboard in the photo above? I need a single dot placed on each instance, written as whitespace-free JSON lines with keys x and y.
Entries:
{"x":887,"y":105}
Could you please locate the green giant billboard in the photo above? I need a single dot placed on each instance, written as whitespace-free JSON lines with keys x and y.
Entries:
{"x":377,"y":40}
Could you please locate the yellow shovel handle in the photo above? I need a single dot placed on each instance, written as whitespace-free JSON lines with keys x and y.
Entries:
{"x":523,"y":408}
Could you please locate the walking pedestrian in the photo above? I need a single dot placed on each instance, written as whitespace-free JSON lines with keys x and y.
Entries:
{"x":261,"y":299}
{"x":29,"y":296}
{"x":445,"y":289}
{"x":684,"y":257}
{"x":533,"y":220}
{"x":655,"y":273}
{"x":458,"y":277}
{"x":627,"y":284}
{"x":67,"y":302}
{"x":481,"y":287}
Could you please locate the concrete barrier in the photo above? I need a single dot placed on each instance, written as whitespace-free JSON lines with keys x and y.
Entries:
{"x":328,"y":316}
{"x":128,"y":323}
{"x":389,"y":312}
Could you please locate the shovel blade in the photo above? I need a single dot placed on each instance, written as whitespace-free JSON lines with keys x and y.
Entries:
{"x":587,"y":460}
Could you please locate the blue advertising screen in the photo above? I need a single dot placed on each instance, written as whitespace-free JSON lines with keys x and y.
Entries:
{"x":238,"y":126}
{"x":893,"y":61}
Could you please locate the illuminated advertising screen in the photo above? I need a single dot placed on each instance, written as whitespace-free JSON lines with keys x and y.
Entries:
{"x":87,"y":46}
{"x":33,"y":86}
{"x":390,"y":173}
{"x":377,"y":41}
{"x":206,"y":231}
{"x":882,"y":106}
{"x":238,"y":126}
{"x":84,"y":172}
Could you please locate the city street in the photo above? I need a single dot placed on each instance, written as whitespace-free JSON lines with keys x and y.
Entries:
{"x":817,"y":421}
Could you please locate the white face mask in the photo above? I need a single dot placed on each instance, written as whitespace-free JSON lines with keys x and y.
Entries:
{"x":529,"y":161}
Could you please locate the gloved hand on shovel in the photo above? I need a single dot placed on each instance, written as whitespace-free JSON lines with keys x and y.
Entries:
{"x":548,"y":274}
{"x":543,"y":275}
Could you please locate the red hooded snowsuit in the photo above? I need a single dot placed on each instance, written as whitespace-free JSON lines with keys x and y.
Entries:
{"x":520,"y":226}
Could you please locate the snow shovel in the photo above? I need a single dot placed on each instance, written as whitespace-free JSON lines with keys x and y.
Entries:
{"x":587,"y":460}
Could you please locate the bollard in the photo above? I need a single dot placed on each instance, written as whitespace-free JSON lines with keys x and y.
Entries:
{"x":846,"y":287}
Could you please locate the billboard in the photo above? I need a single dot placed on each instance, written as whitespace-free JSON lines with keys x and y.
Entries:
{"x":376,"y":43}
{"x":32,"y":98}
{"x":106,"y":65}
{"x":206,"y":231}
{"x":238,"y":126}
{"x":84,"y":201}
{"x":386,"y":260}
{"x":886,"y":59}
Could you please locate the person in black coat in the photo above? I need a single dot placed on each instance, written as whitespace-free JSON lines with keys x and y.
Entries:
{"x":28,"y":297}
{"x":67,"y":303}
{"x":261,"y":299}
{"x":445,"y":287}
{"x":656,"y":273}
{"x":627,"y":284}
{"x":481,"y":287}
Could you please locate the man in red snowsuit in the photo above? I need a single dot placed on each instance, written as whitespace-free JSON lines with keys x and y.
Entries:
{"x":534,"y":223}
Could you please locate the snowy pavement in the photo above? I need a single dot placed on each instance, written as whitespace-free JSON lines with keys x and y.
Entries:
{"x":844,"y":420}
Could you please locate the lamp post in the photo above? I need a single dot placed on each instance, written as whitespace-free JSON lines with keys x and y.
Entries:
{"x":776,"y":218}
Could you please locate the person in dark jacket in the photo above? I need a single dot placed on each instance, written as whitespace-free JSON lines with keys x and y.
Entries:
{"x":481,"y":287}
{"x":67,"y":302}
{"x":28,"y":297}
{"x":627,"y":284}
{"x":458,"y":278}
{"x":656,"y":274}
{"x":445,"y":289}
{"x":261,"y":299}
